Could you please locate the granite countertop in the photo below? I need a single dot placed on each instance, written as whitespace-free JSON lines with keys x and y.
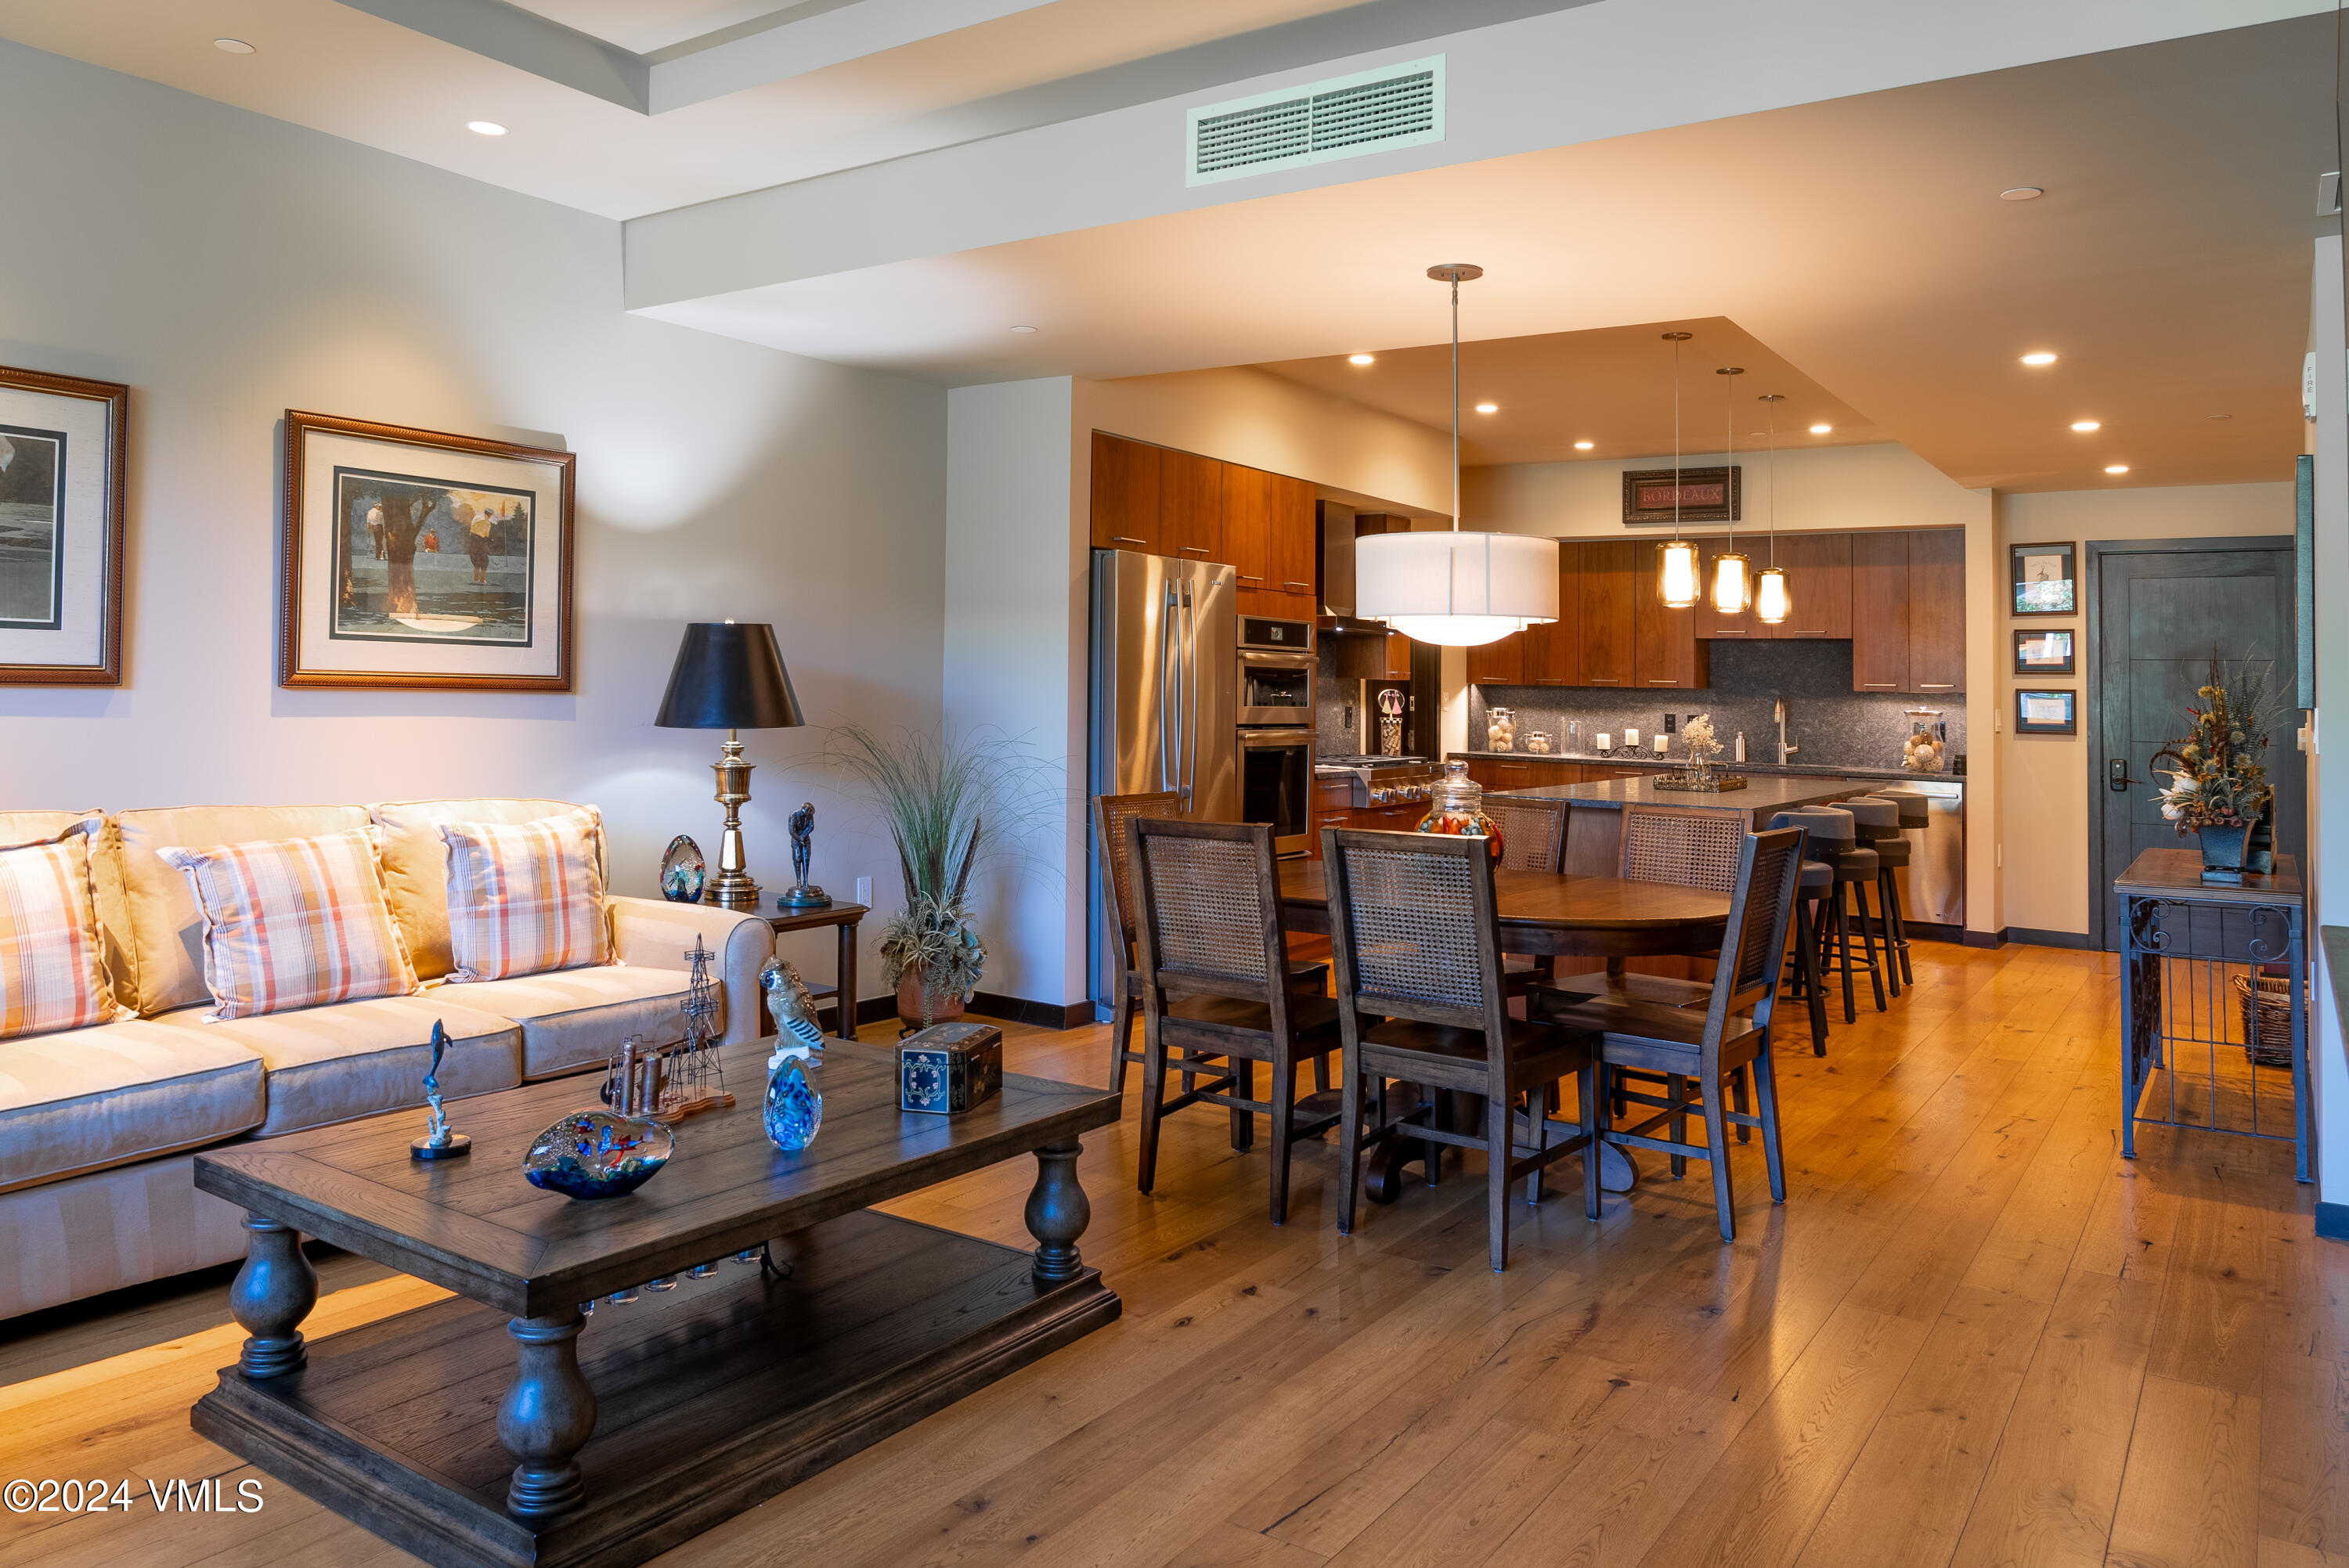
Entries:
{"x":1767,"y":794}
{"x":1680,"y":759}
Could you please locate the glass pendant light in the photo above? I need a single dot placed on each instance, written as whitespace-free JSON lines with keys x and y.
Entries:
{"x":1772,"y":602}
{"x":1676,"y":572}
{"x":1732,"y":590}
{"x":1457,"y":589}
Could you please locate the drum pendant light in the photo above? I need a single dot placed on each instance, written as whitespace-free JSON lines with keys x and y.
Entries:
{"x":1732,"y":588}
{"x":1772,"y":603}
{"x":1457,"y":589}
{"x":1676,"y":573}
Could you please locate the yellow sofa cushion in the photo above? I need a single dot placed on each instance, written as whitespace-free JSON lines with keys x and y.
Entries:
{"x":51,"y":976}
{"x":32,"y":827}
{"x":106,"y":1096}
{"x":356,"y":1058}
{"x":415,"y":864}
{"x":154,"y":934}
{"x":575,"y":1019}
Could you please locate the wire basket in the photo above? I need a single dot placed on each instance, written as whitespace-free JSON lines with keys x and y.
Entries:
{"x":2267,"y":1019}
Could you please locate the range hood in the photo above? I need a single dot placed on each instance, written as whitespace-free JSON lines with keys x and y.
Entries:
{"x":1340,"y":525}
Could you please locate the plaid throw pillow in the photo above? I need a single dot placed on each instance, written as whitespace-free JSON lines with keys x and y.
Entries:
{"x":525,"y":898}
{"x":295,"y":923}
{"x":50,"y":974}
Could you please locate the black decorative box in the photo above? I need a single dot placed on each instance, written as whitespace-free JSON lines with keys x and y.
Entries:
{"x":947,"y":1069}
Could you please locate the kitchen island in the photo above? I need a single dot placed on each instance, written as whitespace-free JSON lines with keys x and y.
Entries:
{"x":1593,"y":824}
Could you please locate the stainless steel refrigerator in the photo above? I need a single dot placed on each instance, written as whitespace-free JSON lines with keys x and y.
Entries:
{"x":1165,"y":694}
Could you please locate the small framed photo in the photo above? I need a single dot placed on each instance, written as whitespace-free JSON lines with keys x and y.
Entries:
{"x":416,"y":558}
{"x":2047,"y":653}
{"x":61,"y":479}
{"x":2045,"y":713}
{"x":2043,"y":577}
{"x":1653,"y":496}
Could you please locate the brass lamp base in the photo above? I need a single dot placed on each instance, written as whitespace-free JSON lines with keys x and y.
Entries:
{"x":733,"y":887}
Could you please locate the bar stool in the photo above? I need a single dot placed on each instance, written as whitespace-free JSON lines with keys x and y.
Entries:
{"x":1895,"y":853}
{"x":1817,"y":881}
{"x":1878,"y":824}
{"x":1835,"y":838}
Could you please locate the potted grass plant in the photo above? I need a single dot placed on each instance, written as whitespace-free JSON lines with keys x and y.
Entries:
{"x":2220,"y":789}
{"x":949,"y":806}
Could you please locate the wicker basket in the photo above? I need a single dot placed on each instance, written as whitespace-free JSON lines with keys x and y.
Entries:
{"x":2267,"y":1020}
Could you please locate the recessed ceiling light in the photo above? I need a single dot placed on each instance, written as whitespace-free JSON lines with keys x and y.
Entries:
{"x":485,"y":128}
{"x":1584,"y":446}
{"x":2084,"y":425}
{"x":1488,"y":408}
{"x":1821,"y":429}
{"x":2039,"y":356}
{"x":2115,"y":467}
{"x":1360,"y":358}
{"x":232,"y":45}
{"x":2023,"y":193}
{"x":1023,"y":329}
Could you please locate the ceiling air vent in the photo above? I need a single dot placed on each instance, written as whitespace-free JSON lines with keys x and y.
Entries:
{"x":1395,"y":106}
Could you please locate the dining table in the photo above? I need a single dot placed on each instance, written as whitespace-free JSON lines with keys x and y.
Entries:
{"x":1543,"y":915}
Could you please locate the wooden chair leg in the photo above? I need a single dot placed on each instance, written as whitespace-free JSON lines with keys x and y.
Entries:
{"x":1675,"y":1090}
{"x":1499,"y":1138}
{"x":1243,"y":1073}
{"x":1350,"y":1141}
{"x":1153,"y":1104}
{"x":1815,"y":1000}
{"x":1867,"y":942}
{"x":1842,"y":950}
{"x":1321,"y":1072}
{"x":1897,"y":918}
{"x":1123,"y":1015}
{"x":1439,"y":1116}
{"x":1594,"y":1119}
{"x":1537,"y":1116}
{"x":1738,"y":1102}
{"x":1884,"y":899}
{"x":1284,"y":1106}
{"x":1766,"y":1096}
{"x":1716,"y":1140}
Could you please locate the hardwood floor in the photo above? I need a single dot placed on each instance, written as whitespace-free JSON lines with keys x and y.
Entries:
{"x":1973,"y":1336}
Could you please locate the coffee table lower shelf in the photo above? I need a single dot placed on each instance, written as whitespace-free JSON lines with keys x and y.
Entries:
{"x":710,"y":1399}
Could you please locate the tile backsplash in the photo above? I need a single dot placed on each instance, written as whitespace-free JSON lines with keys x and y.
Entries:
{"x":1835,"y":726}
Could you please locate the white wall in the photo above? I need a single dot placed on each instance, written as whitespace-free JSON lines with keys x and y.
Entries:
{"x":229,"y":266}
{"x":2328,"y":788}
{"x":1015,"y":665}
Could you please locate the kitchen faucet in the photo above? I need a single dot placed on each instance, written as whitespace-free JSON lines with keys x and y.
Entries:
{"x":1785,"y":750}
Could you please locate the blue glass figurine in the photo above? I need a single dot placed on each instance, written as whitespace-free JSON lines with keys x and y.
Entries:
{"x":594,"y":1154}
{"x":439,"y":1141}
{"x":794,"y":1105}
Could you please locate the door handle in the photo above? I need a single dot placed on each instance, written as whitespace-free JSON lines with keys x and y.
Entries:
{"x":1170,"y":675}
{"x":1126,"y":539}
{"x":2117,"y":770}
{"x":1191,"y":685}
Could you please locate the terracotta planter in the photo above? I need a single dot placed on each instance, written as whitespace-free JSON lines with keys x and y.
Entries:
{"x":945,"y":1006}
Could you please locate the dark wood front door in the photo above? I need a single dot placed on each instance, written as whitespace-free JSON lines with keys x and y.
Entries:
{"x":2159,"y":608}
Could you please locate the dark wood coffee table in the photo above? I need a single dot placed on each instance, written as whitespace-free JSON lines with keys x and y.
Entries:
{"x":675,"y":1410}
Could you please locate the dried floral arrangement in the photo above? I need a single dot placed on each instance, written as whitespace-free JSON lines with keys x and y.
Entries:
{"x":2220,"y":780}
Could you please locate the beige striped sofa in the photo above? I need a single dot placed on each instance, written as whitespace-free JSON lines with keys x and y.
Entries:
{"x":98,"y":1126}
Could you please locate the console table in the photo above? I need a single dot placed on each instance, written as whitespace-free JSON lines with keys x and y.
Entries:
{"x":2184,"y":943}
{"x":847,"y":916}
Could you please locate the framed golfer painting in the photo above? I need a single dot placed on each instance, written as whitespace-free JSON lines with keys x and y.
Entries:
{"x":61,"y":483}
{"x":411,"y":558}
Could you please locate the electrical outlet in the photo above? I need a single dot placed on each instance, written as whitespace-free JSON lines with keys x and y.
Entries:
{"x":865,"y":892}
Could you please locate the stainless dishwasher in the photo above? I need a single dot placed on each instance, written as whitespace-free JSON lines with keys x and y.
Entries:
{"x":1934,"y":883}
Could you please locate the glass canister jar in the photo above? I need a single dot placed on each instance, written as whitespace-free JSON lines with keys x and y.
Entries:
{"x":1500,"y":729}
{"x":1925,"y":751}
{"x":1458,"y":807}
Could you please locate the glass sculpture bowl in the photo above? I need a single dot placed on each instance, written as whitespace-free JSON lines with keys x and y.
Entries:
{"x":596,"y":1154}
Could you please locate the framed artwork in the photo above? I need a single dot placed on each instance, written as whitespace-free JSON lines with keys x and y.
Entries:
{"x":1706,"y":495}
{"x":2047,"y":653}
{"x":411,"y":558}
{"x":62,"y":484}
{"x":2045,"y":713}
{"x":2043,"y":579}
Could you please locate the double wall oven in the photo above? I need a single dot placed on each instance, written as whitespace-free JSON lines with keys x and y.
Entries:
{"x":1275,"y":728}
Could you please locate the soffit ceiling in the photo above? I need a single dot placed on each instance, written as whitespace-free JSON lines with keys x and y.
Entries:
{"x":1860,"y":242}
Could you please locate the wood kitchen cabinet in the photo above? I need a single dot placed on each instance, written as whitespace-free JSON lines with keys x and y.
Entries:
{"x":1292,"y":555}
{"x":1126,"y":487}
{"x":1880,"y":612}
{"x":1498,"y":663}
{"x":1552,"y":653}
{"x":1665,"y":652}
{"x":1603,"y":611}
{"x":1710,"y":622}
{"x":1191,"y":506}
{"x":1247,"y":527}
{"x":1819,"y":583}
{"x":1937,"y":611}
{"x":1363,"y":657}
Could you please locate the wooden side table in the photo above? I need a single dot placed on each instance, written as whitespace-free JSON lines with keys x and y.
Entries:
{"x":846,"y":917}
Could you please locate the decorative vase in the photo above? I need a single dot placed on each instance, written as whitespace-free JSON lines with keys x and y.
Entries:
{"x":2223,"y":854}
{"x":1458,"y":807}
{"x":915,"y":995}
{"x":794,"y":1105}
{"x":596,"y":1154}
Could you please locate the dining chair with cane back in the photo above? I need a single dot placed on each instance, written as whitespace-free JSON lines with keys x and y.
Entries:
{"x":1111,"y":814}
{"x":1216,"y":984}
{"x":1421,"y":1000}
{"x":1533,"y":838}
{"x":1715,"y":1048}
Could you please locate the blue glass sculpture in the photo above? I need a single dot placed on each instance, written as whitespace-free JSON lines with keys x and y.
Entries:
{"x":794,"y":1105}
{"x":596,"y":1154}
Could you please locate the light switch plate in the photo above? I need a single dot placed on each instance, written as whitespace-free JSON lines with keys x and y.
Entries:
{"x":865,"y":892}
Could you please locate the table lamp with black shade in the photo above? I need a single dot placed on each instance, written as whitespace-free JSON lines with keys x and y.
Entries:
{"x":729,"y":677}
